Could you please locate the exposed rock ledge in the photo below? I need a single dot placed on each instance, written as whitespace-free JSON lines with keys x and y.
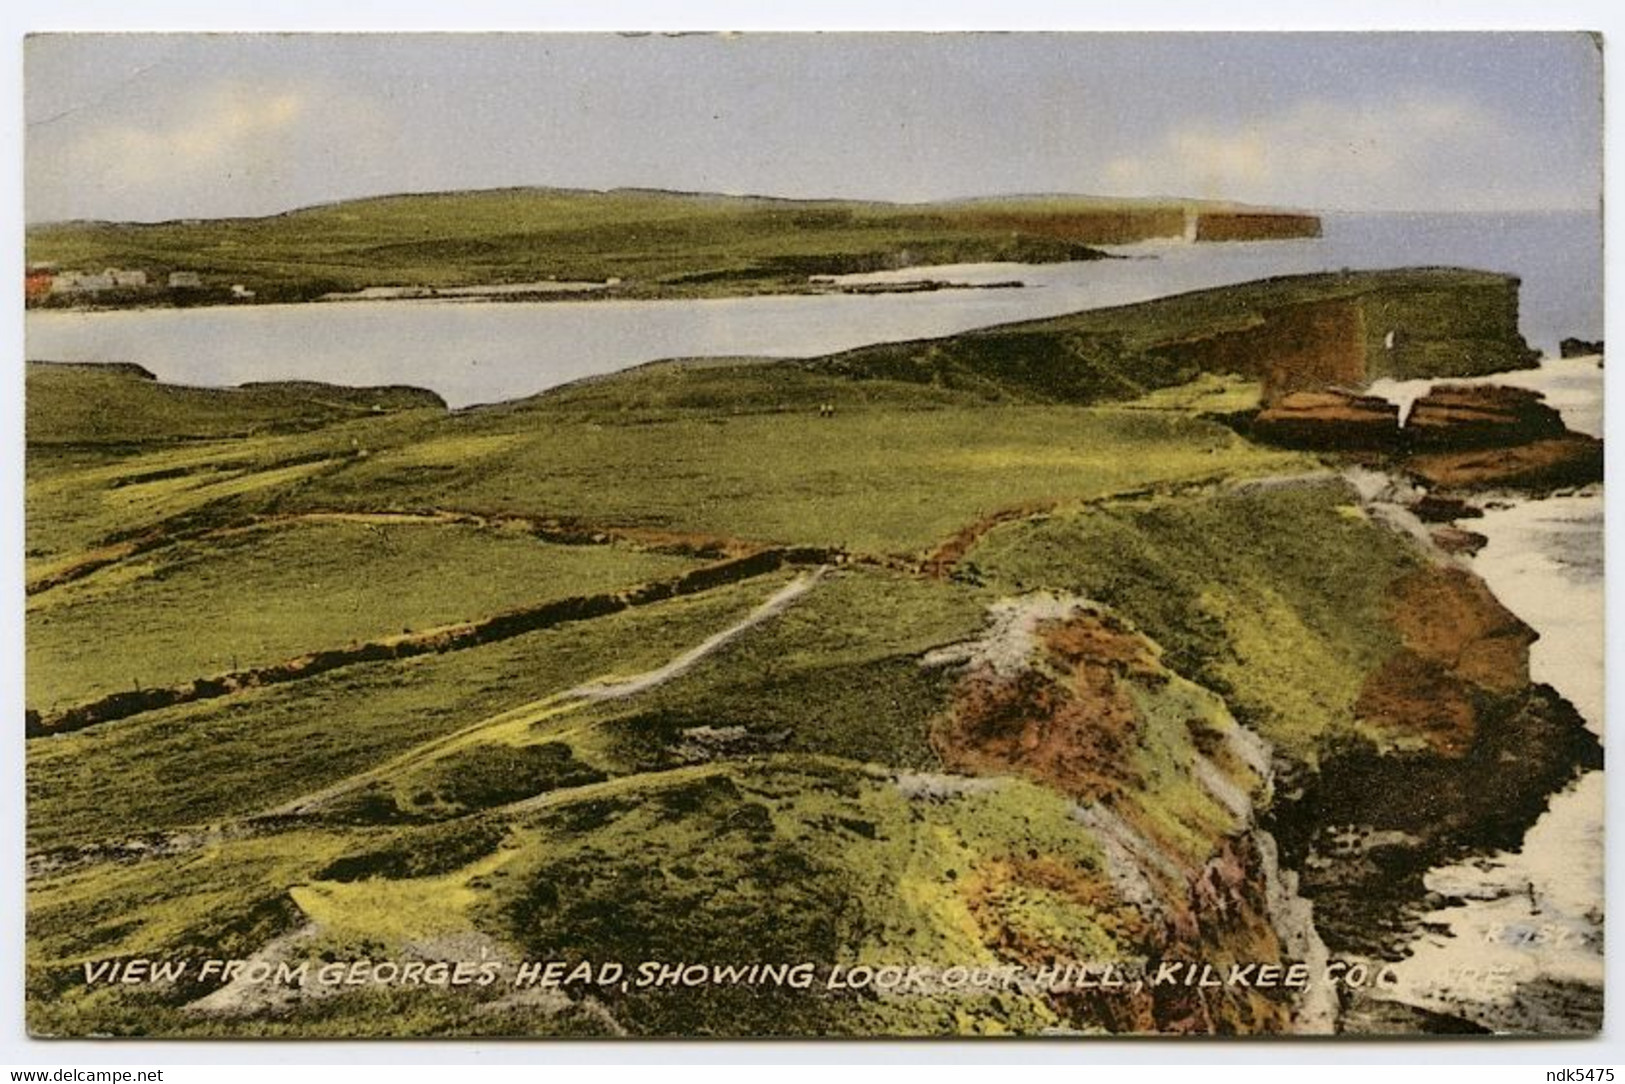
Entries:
{"x":1456,"y":437}
{"x":1469,"y":416}
{"x":1331,"y":419}
{"x":1570,"y":460}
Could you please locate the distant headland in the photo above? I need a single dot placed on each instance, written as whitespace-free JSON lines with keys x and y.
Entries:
{"x":553,"y":244}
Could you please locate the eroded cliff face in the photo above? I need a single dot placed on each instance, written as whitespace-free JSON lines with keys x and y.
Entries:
{"x":1125,"y":225}
{"x":1415,"y":326}
{"x":1365,"y":828}
{"x":1462,"y":652}
{"x":1105,"y":227}
{"x":1437,"y":746}
{"x":1441,"y":326}
{"x":1067,"y":694}
{"x":1456,"y":751}
{"x":1255,"y":226}
{"x":1307,"y":346}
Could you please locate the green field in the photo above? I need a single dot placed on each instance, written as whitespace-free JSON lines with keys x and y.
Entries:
{"x":868,"y":480}
{"x":196,"y":763}
{"x":261,"y":595}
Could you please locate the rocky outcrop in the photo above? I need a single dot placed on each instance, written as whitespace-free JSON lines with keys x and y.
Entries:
{"x":1476,"y":416}
{"x":1491,"y":436}
{"x":1579,"y":348}
{"x":1331,"y":419}
{"x":1456,"y":541}
{"x":1299,"y":345}
{"x":1331,"y":331}
{"x":1128,"y":224}
{"x":1456,"y":437}
{"x":1067,"y":694}
{"x":1436,"y":508}
{"x":1367,"y":825}
{"x":1075,"y":735}
{"x":1106,"y":226}
{"x":1455,"y":752}
{"x":1543,"y":465}
{"x":1460,"y":645}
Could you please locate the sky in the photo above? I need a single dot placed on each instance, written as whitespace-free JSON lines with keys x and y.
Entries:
{"x":152,"y":127}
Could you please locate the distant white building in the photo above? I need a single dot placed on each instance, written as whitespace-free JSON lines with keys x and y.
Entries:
{"x":93,"y":282}
{"x":238,"y":290}
{"x":81,"y":282}
{"x":185,"y":280}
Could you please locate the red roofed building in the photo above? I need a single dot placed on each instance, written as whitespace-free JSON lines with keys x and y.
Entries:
{"x":36,"y":285}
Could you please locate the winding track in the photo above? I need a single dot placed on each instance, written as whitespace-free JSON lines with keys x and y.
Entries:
{"x":517,"y":720}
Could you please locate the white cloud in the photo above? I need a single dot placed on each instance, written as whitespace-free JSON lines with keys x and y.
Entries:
{"x":228,"y":125}
{"x":1396,"y":155}
{"x":233,"y":135}
{"x":221,"y":148}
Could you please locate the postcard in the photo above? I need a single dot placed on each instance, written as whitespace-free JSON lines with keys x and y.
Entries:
{"x":844,"y":535}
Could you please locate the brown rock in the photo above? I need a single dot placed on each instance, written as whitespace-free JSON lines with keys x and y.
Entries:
{"x":1074,"y":730}
{"x":1412,"y":697}
{"x":1449,"y":617}
{"x":1458,"y":642}
{"x":1463,"y":416}
{"x":1432,"y":508}
{"x":1571,"y":460}
{"x":1332,"y":420}
{"x":1455,"y":540}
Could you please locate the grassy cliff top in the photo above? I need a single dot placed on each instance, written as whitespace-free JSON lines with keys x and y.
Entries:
{"x":1226,"y":308}
{"x":1094,"y":356}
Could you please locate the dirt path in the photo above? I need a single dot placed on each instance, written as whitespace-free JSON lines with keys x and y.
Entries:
{"x":519,"y":720}
{"x":782,"y":600}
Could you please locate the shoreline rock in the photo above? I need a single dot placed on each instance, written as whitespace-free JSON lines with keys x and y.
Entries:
{"x":1333,"y":419}
{"x":1579,"y":348}
{"x":1455,"y":416}
{"x":1367,"y":826}
{"x":1457,"y":438}
{"x":1569,"y":461}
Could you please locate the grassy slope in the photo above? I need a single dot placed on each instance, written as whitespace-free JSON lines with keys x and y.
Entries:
{"x":197,"y":763}
{"x":872,"y":480}
{"x":257,"y":597}
{"x":828,"y":862}
{"x":659,"y":241}
{"x":1272,"y":596}
{"x":113,"y":455}
{"x":69,"y":404}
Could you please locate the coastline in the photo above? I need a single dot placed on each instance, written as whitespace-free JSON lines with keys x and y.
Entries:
{"x":1512,"y":940}
{"x":922,"y":278}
